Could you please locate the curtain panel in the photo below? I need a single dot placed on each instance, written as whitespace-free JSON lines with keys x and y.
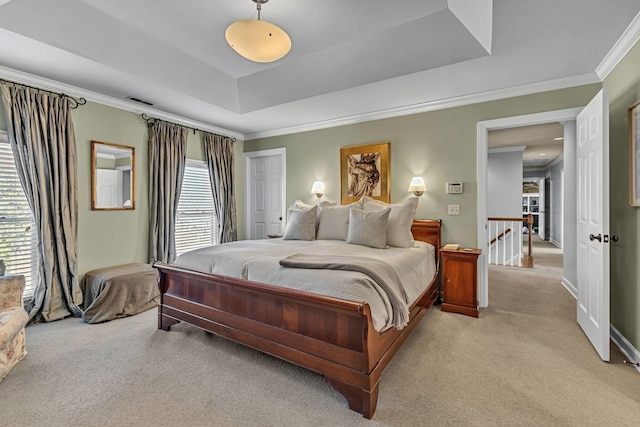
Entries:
{"x":43,"y":142}
{"x":167,"y":161}
{"x":219,"y":155}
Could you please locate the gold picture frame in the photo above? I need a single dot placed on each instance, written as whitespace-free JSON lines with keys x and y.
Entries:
{"x":634,"y":154}
{"x":364,"y":171}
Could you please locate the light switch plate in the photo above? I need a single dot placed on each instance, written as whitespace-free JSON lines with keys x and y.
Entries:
{"x":454,"y":209}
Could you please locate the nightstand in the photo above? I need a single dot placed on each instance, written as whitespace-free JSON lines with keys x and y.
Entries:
{"x":460,"y":281}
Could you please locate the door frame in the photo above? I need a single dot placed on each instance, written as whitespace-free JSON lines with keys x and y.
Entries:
{"x":483,"y":128}
{"x":248,"y":195}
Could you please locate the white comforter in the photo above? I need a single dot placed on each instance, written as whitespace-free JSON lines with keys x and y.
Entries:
{"x":258,"y":260}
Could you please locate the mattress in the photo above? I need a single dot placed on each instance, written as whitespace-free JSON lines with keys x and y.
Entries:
{"x":259,"y":261}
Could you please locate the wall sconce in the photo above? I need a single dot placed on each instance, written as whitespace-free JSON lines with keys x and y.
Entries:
{"x":417,"y":185}
{"x":317,"y":189}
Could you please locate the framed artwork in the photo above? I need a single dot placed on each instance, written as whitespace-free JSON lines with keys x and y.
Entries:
{"x":364,"y":171}
{"x":634,"y":154}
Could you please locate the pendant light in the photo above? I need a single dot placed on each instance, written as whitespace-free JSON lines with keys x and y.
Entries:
{"x":257,"y":40}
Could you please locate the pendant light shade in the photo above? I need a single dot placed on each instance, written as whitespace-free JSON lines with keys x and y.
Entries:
{"x":257,"y":40}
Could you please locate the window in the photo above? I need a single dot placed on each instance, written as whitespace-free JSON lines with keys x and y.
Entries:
{"x":18,"y":238}
{"x":196,"y":222}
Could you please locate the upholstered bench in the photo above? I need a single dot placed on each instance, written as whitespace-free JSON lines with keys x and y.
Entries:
{"x":13,"y":319}
{"x":119,"y":291}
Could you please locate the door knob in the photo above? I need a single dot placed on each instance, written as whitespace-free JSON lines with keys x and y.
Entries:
{"x":598,"y":237}
{"x":614,"y":238}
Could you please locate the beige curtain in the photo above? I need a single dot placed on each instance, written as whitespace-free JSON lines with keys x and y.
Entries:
{"x":219,"y":154}
{"x":167,"y":160}
{"x":44,"y":147}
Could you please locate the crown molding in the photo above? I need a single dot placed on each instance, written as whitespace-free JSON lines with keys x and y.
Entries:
{"x":41,"y":82}
{"x":555,"y":161}
{"x":519,"y":148}
{"x":627,"y":40}
{"x":459,"y":101}
{"x":54,"y":86}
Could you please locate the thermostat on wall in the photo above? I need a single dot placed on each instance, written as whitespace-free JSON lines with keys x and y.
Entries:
{"x":454,"y":187}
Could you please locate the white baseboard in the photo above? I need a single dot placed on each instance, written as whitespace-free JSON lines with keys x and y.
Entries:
{"x":573,"y":290}
{"x":555,"y":243}
{"x":631,"y":353}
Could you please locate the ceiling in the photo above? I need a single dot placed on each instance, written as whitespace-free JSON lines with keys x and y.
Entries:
{"x":350,"y":60}
{"x":542,"y":144}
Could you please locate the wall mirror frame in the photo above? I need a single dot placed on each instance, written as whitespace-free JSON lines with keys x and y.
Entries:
{"x":112,"y":176}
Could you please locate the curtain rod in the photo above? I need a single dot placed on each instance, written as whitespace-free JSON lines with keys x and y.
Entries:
{"x":151,"y":120}
{"x":74,"y":102}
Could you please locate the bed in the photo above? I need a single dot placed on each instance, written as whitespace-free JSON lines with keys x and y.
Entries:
{"x":333,"y":337}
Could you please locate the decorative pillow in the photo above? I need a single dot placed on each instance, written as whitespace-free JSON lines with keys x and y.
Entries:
{"x":368,"y":228}
{"x":400,"y":220}
{"x":334,"y":221}
{"x":301,"y":224}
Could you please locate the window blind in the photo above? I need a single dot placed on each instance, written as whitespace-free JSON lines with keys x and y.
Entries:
{"x":18,"y":237}
{"x":196,"y":222}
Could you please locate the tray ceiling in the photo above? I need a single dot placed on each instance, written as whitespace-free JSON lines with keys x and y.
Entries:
{"x":348,"y":58}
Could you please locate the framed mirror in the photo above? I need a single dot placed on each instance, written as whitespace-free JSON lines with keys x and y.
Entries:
{"x":112,"y":176}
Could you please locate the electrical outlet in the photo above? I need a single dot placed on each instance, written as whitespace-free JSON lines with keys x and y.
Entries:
{"x":454,"y":209}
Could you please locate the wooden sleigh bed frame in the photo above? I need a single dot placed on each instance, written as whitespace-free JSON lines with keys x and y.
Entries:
{"x":332,"y":337}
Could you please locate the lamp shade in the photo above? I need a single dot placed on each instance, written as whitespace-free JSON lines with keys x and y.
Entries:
{"x":417,"y":185}
{"x":257,"y":40}
{"x":317,"y":188}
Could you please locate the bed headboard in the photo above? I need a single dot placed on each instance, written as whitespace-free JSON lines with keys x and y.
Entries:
{"x":428,"y":230}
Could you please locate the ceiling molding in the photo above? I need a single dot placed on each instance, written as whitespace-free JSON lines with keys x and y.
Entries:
{"x":434,"y":105}
{"x":520,"y":148}
{"x":555,"y":161}
{"x":627,"y":40}
{"x":54,"y":86}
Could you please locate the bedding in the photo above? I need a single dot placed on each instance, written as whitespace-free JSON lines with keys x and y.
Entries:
{"x":259,"y":261}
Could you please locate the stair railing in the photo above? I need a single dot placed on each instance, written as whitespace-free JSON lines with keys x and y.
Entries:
{"x":505,"y":241}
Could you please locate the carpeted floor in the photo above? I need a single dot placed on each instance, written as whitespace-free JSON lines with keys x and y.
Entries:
{"x":524,"y":362}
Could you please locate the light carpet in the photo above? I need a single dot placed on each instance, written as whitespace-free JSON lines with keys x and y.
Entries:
{"x":524,"y":362}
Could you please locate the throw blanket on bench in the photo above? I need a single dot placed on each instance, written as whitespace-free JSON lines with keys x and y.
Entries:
{"x":381,"y":272}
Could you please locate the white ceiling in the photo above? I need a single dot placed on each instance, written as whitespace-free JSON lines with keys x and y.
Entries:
{"x":542,"y":143}
{"x":350,"y":60}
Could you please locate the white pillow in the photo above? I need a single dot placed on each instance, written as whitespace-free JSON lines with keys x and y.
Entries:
{"x":368,"y":228}
{"x":300,"y":205}
{"x":301,"y":224}
{"x":334,"y":221}
{"x":400,"y":220}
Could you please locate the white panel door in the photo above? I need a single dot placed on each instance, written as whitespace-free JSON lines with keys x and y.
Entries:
{"x":259,"y":187}
{"x":108,"y":188}
{"x":266,"y":196}
{"x":542,"y":208}
{"x":593,"y":222}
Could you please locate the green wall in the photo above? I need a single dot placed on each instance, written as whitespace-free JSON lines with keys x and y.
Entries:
{"x":439,"y":145}
{"x":623,"y":87}
{"x":108,"y":238}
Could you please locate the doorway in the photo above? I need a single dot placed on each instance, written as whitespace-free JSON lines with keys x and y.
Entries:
{"x":483,"y":128}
